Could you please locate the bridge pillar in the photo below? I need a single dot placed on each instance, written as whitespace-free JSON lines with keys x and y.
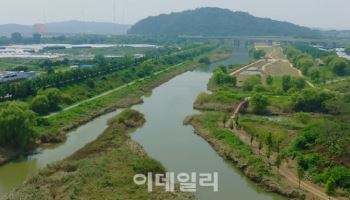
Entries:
{"x":236,"y":43}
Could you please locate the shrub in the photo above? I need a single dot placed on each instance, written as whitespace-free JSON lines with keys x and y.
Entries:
{"x":204,"y":60}
{"x":17,"y":125}
{"x":302,"y":117}
{"x":40,"y":104}
{"x":260,"y":103}
{"x":252,"y":81}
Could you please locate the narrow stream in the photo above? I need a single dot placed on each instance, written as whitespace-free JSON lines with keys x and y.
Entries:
{"x":163,"y":137}
{"x":178,"y":148}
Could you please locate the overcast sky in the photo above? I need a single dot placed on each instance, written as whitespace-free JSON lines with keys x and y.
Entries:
{"x":313,"y":13}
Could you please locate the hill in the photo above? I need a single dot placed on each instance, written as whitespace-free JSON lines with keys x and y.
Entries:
{"x":216,"y":22}
{"x":7,"y":29}
{"x":67,"y":27}
{"x":87,"y":27}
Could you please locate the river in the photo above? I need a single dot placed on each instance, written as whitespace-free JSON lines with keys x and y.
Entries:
{"x":163,"y":137}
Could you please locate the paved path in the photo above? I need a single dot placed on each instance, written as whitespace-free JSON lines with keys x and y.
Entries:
{"x":109,"y":92}
{"x":245,"y":67}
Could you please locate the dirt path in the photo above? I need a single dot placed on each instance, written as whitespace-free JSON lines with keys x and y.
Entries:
{"x":287,"y":170}
{"x":245,"y":67}
{"x":109,"y":92}
{"x":300,"y":74}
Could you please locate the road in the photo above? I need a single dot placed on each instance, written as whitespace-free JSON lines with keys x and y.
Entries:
{"x":109,"y":92}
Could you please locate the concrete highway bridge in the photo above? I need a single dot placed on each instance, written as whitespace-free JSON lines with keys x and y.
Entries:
{"x":251,"y":40}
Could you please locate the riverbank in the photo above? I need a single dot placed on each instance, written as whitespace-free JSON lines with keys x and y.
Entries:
{"x":264,"y":135}
{"x":232,"y":149}
{"x":63,"y":122}
{"x":66,"y":121}
{"x":103,"y":169}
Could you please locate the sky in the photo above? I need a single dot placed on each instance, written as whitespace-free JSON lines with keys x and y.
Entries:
{"x":325,"y":14}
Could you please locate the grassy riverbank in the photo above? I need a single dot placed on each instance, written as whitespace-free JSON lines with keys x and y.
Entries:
{"x":103,"y":169}
{"x":210,"y":127}
{"x":298,"y":132}
{"x":65,"y":121}
{"x":54,"y":128}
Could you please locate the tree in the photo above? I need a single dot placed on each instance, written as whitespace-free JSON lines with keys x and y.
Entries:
{"x":298,"y":83}
{"x":260,"y":103}
{"x":311,"y":100}
{"x":17,"y":122}
{"x":54,"y":96}
{"x":257,"y":54}
{"x":100,"y":60}
{"x":268,"y":153}
{"x":269,"y":80}
{"x":16,"y":37}
{"x":338,"y":66}
{"x":204,"y":60}
{"x":304,"y":64}
{"x":221,"y":78}
{"x":251,"y":139}
{"x":301,"y":174}
{"x":40,"y":104}
{"x":36,"y":38}
{"x":90,"y":83}
{"x":278,"y":162}
{"x":251,"y":82}
{"x":260,"y":145}
{"x":286,"y":83}
{"x":314,"y":74}
{"x":269,"y":139}
{"x":330,"y":186}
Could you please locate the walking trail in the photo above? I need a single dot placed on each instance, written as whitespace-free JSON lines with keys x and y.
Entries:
{"x":287,"y":170}
{"x":109,"y":92}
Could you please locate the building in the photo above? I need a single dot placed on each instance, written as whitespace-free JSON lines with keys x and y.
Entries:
{"x":11,"y":76}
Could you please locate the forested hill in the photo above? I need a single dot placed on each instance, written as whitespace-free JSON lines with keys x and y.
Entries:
{"x":216,"y":22}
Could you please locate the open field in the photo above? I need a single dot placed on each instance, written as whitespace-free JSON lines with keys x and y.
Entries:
{"x":275,"y":65}
{"x":281,"y":68}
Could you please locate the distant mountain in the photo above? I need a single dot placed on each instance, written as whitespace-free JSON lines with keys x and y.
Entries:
{"x":337,"y":33}
{"x":67,"y":27}
{"x":87,"y":27}
{"x":7,"y":29}
{"x":217,"y":22}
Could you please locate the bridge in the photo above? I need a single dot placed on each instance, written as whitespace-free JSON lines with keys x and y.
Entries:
{"x":251,"y":40}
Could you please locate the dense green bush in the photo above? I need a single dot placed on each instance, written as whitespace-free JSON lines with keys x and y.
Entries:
{"x":257,"y":54}
{"x":204,"y":60}
{"x":222,"y":78}
{"x":40,"y":104}
{"x":251,"y":82}
{"x":259,"y":103}
{"x":311,"y":100}
{"x":17,"y":122}
{"x":340,"y":174}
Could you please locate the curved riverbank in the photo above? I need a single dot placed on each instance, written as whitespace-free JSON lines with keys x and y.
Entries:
{"x":165,"y":138}
{"x":234,"y":155}
{"x":97,"y":170}
{"x":86,"y":122}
